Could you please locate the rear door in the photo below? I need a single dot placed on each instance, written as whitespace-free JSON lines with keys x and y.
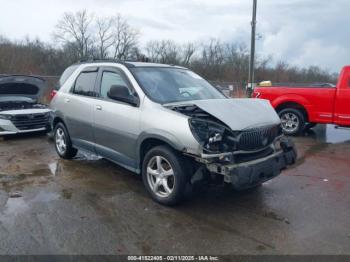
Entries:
{"x":342,"y":101}
{"x":78,"y":108}
{"x":116,"y":124}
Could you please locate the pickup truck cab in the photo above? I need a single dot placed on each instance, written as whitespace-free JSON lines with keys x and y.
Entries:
{"x":305,"y":106}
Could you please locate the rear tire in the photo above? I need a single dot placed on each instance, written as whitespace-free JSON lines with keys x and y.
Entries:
{"x":63,"y":143}
{"x":164,"y":175}
{"x":293,"y":121}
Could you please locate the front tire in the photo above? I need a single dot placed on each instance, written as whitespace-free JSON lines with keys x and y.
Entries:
{"x":293,"y":121}
{"x":63,"y":144}
{"x":164,"y":175}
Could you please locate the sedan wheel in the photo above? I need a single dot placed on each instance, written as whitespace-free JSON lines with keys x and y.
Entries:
{"x":160,"y":176}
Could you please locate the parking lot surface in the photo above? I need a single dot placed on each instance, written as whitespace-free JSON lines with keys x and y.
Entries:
{"x":91,"y":206}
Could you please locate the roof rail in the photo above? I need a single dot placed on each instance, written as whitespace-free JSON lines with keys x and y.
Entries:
{"x":98,"y":60}
{"x":143,"y":58}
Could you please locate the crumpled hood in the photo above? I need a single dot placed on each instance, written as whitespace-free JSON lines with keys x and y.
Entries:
{"x":239,"y":113}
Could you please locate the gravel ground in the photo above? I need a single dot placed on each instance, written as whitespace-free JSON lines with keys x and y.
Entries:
{"x":91,"y":206}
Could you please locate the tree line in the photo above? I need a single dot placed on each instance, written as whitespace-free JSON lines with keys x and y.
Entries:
{"x":83,"y":35}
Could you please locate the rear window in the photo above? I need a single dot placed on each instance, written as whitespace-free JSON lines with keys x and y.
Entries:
{"x":85,"y":84}
{"x":66,"y":74}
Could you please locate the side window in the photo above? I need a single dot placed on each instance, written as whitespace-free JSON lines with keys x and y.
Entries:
{"x":110,"y":79}
{"x":85,"y":84}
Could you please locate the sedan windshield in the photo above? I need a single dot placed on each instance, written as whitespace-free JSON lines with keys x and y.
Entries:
{"x":167,"y":85}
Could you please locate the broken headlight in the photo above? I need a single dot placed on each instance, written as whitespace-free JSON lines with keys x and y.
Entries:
{"x":213,"y":137}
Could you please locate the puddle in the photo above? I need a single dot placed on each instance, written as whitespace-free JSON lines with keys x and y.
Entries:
{"x":14,"y":206}
{"x":5,"y":178}
{"x":330,"y":134}
{"x":44,"y":196}
{"x":53,"y":168}
{"x":85,"y":155}
{"x":9,"y":182}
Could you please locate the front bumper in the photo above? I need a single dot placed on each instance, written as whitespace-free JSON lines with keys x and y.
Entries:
{"x":26,"y":124}
{"x":8,"y":128}
{"x":250,"y":174}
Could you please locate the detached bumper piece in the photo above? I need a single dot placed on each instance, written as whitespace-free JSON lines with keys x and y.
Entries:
{"x":250,"y":174}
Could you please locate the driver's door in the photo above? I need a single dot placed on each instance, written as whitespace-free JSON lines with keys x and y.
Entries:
{"x":116,"y":124}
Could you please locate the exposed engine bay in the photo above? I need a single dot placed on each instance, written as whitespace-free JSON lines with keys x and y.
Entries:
{"x":19,"y":103}
{"x":216,"y":137}
{"x":244,"y":158}
{"x":20,"y":109}
{"x":19,"y":92}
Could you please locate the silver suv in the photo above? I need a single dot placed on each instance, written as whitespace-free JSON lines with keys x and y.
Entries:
{"x":168,"y":124}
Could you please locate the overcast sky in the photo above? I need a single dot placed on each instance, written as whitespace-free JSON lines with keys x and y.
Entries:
{"x":300,"y":32}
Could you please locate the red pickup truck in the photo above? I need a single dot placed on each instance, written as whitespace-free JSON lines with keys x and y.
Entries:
{"x":304,"y":107}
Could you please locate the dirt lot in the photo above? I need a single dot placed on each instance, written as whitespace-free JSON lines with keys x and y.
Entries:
{"x":91,"y":206}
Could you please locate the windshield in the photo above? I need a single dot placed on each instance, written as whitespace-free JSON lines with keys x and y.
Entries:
{"x":167,"y":85}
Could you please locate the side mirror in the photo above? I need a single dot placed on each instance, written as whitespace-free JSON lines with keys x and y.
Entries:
{"x":121,"y":93}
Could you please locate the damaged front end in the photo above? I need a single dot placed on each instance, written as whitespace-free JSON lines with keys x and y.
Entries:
{"x":20,"y":111}
{"x":245,"y":158}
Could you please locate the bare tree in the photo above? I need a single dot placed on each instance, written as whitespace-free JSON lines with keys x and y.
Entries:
{"x":75,"y":29}
{"x":188,"y":51}
{"x":164,"y":51}
{"x":105,"y":35}
{"x":125,"y":38}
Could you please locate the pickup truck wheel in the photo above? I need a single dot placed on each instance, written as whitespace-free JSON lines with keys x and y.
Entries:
{"x":164,"y":175}
{"x":63,"y":143}
{"x":293,"y":121}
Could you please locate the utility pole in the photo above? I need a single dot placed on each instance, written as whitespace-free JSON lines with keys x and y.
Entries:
{"x":252,"y":52}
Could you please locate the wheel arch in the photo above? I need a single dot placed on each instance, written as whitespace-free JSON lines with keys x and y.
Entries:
{"x":57,"y":120}
{"x":294,"y":105}
{"x":146,"y":142}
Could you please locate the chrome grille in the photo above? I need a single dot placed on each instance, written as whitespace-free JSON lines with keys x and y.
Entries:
{"x":30,"y":121}
{"x":258,"y":138}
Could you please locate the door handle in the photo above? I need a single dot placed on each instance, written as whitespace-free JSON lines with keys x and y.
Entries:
{"x":67,"y":100}
{"x":98,"y":107}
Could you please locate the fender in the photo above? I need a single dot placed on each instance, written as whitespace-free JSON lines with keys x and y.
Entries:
{"x":56,"y":115}
{"x":290,"y":98}
{"x":161,"y":135}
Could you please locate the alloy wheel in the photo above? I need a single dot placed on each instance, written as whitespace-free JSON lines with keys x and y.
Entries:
{"x":290,"y":122}
{"x":60,"y":139}
{"x":160,"y":176}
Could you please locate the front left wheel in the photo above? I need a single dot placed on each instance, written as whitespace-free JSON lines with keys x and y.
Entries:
{"x":165,"y":176}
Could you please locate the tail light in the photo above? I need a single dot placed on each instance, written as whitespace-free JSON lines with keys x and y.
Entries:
{"x":52,"y":94}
